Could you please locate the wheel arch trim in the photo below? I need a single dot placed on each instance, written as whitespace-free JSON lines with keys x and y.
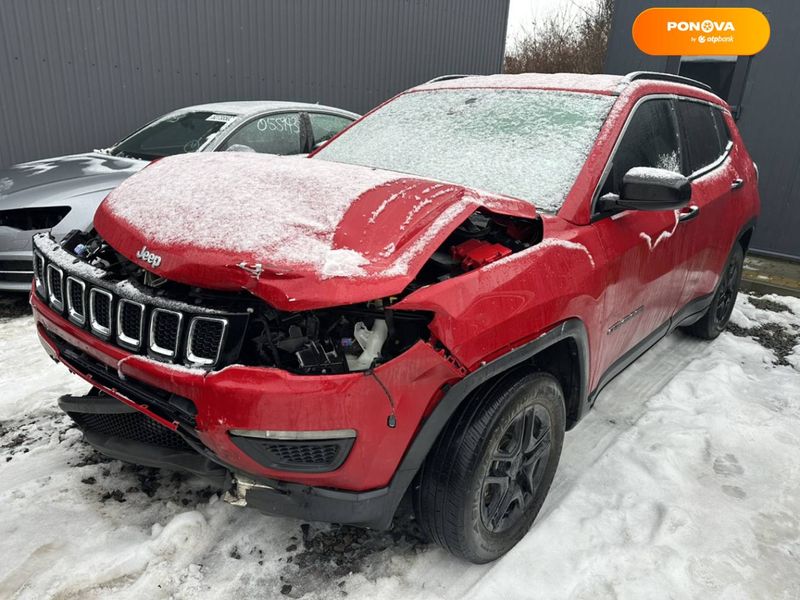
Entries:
{"x":571,"y":329}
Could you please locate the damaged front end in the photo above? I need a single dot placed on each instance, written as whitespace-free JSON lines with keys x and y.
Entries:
{"x":167,"y":321}
{"x":125,"y":304}
{"x":324,"y":396}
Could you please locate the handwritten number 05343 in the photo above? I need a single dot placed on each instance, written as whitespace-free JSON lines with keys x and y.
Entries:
{"x":290,"y":124}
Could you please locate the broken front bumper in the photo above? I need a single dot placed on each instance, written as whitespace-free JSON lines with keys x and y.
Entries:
{"x":211,"y":409}
{"x":373,"y":509}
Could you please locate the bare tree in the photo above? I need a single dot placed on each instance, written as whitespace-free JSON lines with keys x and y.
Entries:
{"x":564,"y":44}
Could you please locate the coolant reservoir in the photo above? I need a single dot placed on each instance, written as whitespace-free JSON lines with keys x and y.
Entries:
{"x":371,"y":342}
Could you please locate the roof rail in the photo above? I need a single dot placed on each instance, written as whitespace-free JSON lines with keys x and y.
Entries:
{"x":447,"y":78}
{"x":657,"y":76}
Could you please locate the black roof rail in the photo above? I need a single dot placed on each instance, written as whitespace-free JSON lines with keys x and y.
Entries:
{"x":657,"y":76}
{"x":447,"y":78}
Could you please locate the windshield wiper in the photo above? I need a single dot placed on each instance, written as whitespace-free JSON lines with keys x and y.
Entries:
{"x":135,"y":155}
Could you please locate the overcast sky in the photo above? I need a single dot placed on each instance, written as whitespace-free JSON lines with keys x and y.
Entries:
{"x":523,"y":12}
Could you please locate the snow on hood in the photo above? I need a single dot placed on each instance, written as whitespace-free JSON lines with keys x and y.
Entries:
{"x":317,"y":231}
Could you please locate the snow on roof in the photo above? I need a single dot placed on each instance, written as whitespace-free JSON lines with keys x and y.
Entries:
{"x":248,"y":107}
{"x":281,"y":209}
{"x":563,"y":81}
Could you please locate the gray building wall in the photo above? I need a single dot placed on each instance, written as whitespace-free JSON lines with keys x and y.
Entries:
{"x":769,"y":119}
{"x":81,"y":74}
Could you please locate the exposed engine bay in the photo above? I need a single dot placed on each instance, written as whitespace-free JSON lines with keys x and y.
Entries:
{"x":340,"y":340}
{"x":332,"y":340}
{"x":480,"y":240}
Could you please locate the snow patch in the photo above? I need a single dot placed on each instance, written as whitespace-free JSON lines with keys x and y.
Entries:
{"x":343,"y":263}
{"x":5,"y":185}
{"x":659,"y":173}
{"x":664,"y":235}
{"x":561,"y":81}
{"x":526,"y":144}
{"x":401,"y":264}
{"x":682,"y":482}
{"x":553,"y":242}
{"x":412,"y":213}
{"x":277,"y":209}
{"x":547,"y":243}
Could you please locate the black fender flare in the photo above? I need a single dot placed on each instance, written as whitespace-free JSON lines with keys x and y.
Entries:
{"x":428,"y":433}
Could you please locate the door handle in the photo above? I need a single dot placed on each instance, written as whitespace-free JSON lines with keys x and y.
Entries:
{"x":737,"y":183}
{"x":688,"y":213}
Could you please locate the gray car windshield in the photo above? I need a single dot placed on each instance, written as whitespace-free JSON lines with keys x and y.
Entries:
{"x":529,"y":144}
{"x":174,"y":134}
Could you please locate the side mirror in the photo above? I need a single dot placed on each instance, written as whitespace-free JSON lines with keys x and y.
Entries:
{"x":648,"y":188}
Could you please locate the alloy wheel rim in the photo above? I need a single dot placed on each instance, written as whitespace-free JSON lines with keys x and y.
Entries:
{"x":516,"y":469}
{"x":727,"y":294}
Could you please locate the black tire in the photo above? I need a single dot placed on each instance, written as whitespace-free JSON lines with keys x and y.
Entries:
{"x":713,"y":322}
{"x":459,"y":493}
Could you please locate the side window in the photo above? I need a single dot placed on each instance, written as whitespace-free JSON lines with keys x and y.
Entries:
{"x":650,"y":140}
{"x":723,"y":132}
{"x":324,"y":127}
{"x":700,"y":132}
{"x":271,"y":134}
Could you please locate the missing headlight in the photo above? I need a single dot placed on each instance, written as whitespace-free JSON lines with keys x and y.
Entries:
{"x":330,"y":341}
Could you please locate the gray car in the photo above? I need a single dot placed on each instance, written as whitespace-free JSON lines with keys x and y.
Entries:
{"x":62,"y":194}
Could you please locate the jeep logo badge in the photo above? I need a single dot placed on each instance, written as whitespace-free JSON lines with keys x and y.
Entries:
{"x":149,"y":257}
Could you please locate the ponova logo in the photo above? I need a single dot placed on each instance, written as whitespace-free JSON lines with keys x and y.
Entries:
{"x":696,"y":31}
{"x":149,"y":257}
{"x":707,"y":26}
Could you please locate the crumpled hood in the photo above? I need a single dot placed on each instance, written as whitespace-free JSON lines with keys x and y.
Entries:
{"x":52,"y":180}
{"x":300,"y":233}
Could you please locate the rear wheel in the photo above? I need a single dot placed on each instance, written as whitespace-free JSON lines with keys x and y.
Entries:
{"x":719,"y":312}
{"x":486,"y":478}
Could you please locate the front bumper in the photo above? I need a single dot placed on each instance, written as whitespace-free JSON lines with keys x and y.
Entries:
{"x":265,"y":399}
{"x":372,"y":509}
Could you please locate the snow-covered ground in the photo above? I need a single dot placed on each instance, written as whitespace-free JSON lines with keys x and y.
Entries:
{"x":683,"y":482}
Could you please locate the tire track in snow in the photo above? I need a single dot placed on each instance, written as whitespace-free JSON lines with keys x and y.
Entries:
{"x":617,"y":409}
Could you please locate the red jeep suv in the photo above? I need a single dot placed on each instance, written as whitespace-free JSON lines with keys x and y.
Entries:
{"x":424,"y":306}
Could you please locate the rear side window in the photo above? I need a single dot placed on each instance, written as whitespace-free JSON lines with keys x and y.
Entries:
{"x":271,"y":134}
{"x":723,"y":132}
{"x":700,"y":129}
{"x":325,"y":126}
{"x":650,"y":140}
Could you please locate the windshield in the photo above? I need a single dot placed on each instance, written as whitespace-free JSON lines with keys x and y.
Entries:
{"x":528,"y":144}
{"x":173,"y":134}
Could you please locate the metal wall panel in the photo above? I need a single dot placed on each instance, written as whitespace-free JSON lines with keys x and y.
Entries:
{"x":80,"y":74}
{"x":769,"y":119}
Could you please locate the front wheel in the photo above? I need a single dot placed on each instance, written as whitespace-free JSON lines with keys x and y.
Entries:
{"x":715,"y":319}
{"x":486,"y":478}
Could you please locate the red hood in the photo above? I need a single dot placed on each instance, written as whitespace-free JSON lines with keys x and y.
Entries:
{"x":299,"y":233}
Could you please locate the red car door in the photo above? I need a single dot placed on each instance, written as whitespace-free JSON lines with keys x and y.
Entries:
{"x":644,"y":251}
{"x":709,"y":224}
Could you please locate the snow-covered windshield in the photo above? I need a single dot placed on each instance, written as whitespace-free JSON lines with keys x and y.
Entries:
{"x":529,"y":144}
{"x":176,"y":133}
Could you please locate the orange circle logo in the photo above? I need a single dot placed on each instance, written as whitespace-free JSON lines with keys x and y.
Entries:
{"x":701,"y":31}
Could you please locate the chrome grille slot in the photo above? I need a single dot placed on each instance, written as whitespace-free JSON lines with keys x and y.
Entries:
{"x":100,"y":306}
{"x":55,"y":283}
{"x":38,"y":273}
{"x":205,"y":340}
{"x":130,"y":323}
{"x":76,"y":300}
{"x":165,"y":330}
{"x":133,"y":317}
